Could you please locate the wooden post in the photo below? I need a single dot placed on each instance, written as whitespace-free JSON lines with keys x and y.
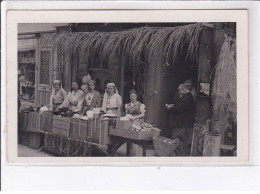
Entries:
{"x":204,"y":71}
{"x":122,"y":79}
{"x":37,"y":72}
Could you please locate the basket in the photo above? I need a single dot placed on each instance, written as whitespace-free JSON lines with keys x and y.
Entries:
{"x":164,"y":146}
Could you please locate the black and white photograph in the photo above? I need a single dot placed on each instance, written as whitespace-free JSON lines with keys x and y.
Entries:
{"x":165,"y":89}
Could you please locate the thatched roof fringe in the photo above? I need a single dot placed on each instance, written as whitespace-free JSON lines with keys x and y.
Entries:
{"x":133,"y":43}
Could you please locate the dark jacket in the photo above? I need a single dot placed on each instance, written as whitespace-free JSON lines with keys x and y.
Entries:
{"x":182,"y":111}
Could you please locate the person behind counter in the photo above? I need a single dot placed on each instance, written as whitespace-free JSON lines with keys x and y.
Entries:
{"x":135,"y":110}
{"x":92,"y":98}
{"x":181,"y":120}
{"x":58,"y":96}
{"x":73,"y":104}
{"x":112,"y":100}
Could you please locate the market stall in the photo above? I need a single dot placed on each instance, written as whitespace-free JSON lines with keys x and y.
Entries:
{"x":154,"y":61}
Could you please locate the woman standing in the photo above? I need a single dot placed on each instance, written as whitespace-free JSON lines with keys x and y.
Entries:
{"x":73,"y":103}
{"x":112,"y":100}
{"x":135,"y":110}
{"x":92,"y":98}
{"x":58,"y":96}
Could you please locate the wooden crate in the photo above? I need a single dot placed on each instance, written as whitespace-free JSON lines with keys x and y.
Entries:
{"x":98,"y":131}
{"x":24,"y":138}
{"x":124,"y":124}
{"x":78,"y":129}
{"x":46,"y":122}
{"x":61,"y":126}
{"x":24,"y":117}
{"x":35,"y":140}
{"x":34,"y":122}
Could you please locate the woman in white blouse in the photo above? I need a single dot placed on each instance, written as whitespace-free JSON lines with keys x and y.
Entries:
{"x":73,"y":104}
{"x":112,"y":102}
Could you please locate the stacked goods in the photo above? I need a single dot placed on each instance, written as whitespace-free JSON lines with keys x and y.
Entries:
{"x":78,"y":129}
{"x":164,"y":146}
{"x":61,"y":126}
{"x":46,"y":121}
{"x":34,"y":122}
{"x":35,"y":140}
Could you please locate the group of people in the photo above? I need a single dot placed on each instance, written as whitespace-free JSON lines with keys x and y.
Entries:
{"x":79,"y":102}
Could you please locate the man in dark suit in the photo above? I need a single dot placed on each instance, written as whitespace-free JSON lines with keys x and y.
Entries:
{"x":181,"y":119}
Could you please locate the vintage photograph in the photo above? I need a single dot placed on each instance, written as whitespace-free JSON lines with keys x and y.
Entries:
{"x":127,"y":89}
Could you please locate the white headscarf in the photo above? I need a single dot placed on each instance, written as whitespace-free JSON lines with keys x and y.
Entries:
{"x":53,"y":92}
{"x":104,"y":108}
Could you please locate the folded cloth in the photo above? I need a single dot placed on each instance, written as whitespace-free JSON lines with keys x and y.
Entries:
{"x":76,"y":116}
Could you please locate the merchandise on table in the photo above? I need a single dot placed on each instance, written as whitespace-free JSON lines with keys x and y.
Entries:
{"x":164,"y":146}
{"x":136,"y":130}
{"x":35,"y":140}
{"x":61,"y":126}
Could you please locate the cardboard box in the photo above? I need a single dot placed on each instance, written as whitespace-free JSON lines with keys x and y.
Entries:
{"x":46,"y":121}
{"x":36,"y":140}
{"x":61,"y":126}
{"x":78,"y":129}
